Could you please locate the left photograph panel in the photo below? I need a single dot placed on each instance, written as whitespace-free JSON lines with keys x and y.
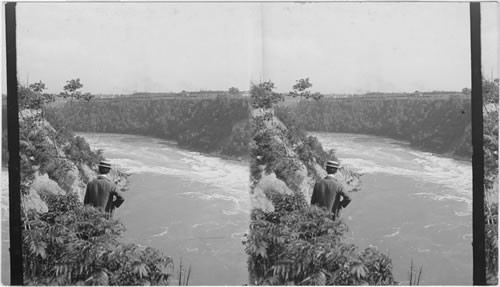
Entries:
{"x":134,"y":140}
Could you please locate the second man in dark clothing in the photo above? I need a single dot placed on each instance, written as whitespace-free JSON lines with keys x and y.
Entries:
{"x":329,"y":193}
{"x":102,"y":192}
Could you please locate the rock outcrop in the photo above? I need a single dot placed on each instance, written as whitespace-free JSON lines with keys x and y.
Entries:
{"x":288,"y":172}
{"x":69,"y":173}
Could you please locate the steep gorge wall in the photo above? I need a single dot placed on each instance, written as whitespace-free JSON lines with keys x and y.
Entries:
{"x":54,"y":162}
{"x":222,"y":124}
{"x":209,"y":125}
{"x":438,"y":125}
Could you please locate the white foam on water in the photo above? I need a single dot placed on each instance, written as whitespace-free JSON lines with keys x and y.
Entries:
{"x":229,"y":212}
{"x":226,"y":180}
{"x":378,"y":155}
{"x":161,"y":234}
{"x":462,"y":213}
{"x":437,"y":197}
{"x":435,"y":224}
{"x":229,"y":180}
{"x":137,"y":167}
{"x":398,"y":229}
{"x":239,"y":235}
{"x":467,"y":236}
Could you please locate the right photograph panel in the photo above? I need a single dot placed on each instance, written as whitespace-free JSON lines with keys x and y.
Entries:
{"x":361,"y":159}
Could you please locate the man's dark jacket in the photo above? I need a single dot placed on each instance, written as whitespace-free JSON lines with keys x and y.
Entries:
{"x":330,"y":194}
{"x":102,"y":194}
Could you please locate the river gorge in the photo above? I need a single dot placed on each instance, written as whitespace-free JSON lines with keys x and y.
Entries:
{"x":413,"y":205}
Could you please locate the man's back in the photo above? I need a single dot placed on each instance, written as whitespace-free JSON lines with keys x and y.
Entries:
{"x":330,"y":194}
{"x":100,"y":193}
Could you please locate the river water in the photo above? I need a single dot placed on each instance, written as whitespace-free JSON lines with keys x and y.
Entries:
{"x":186,"y":204}
{"x":413,"y":205}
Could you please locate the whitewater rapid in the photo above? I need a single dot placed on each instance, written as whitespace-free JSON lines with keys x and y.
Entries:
{"x":187,"y":204}
{"x":414,"y":205}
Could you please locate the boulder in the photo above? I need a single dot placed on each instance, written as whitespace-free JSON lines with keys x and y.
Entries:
{"x":259,"y":200}
{"x":32,"y":201}
{"x":43,"y":184}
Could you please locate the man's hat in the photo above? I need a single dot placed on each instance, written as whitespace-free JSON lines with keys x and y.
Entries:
{"x":332,"y":164}
{"x":105,"y":164}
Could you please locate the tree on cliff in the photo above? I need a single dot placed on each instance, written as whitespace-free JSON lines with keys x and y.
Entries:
{"x":234,"y":91}
{"x":33,"y":97}
{"x":263,"y":95}
{"x":300,"y":90}
{"x":71,"y":90}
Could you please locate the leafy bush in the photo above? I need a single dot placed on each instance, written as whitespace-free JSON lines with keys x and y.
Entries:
{"x":491,"y":241}
{"x":78,"y":151}
{"x":301,"y":245}
{"x":263,"y":95}
{"x":32,"y":97}
{"x":73,"y":244}
{"x":490,"y":133}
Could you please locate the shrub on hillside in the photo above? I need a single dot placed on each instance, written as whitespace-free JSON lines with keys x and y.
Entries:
{"x":490,"y":132}
{"x":301,"y":245}
{"x":73,"y":244}
{"x":51,"y":149}
{"x":78,"y":151}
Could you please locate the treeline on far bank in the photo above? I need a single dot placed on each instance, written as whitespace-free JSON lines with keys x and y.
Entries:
{"x":434,"y":124}
{"x":219,"y":125}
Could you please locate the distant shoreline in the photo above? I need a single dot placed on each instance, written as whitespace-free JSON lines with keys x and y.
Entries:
{"x":447,"y":154}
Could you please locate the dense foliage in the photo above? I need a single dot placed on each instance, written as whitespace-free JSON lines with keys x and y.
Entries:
{"x":208,"y":125}
{"x":263,"y":96}
{"x":298,"y":244}
{"x":72,"y":91}
{"x":46,"y":146}
{"x":73,"y":244}
{"x":436,"y":124}
{"x":274,"y":149}
{"x":490,"y":130}
{"x":300,"y":90}
{"x":33,"y":97}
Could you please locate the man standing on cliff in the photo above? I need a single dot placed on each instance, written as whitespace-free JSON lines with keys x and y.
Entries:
{"x":102,"y":192}
{"x":329,"y":193}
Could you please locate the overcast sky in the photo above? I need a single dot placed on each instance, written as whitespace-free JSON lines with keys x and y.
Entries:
{"x":341,"y":47}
